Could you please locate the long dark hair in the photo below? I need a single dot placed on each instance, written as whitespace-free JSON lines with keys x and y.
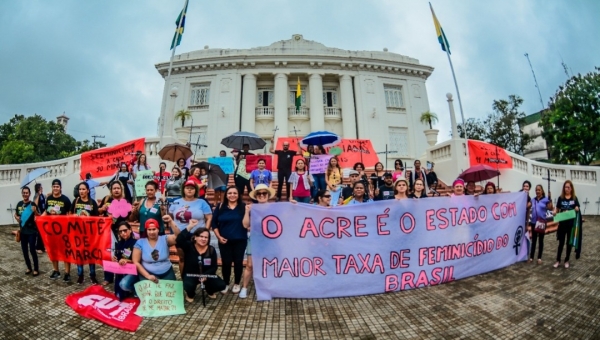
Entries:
{"x":199,"y":232}
{"x":240,"y":202}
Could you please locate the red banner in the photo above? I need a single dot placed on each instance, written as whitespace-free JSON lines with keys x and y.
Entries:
{"x":105,"y":162}
{"x":252,"y":162}
{"x":488,"y":154}
{"x":76,"y":239}
{"x":96,"y":303}
{"x":351,"y":151}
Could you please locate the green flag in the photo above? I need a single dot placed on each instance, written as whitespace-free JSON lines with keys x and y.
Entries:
{"x":180,"y":25}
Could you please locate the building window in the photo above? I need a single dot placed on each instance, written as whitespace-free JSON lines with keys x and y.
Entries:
{"x":265,"y":96}
{"x":393,"y":97}
{"x":330,"y":97}
{"x":200,"y":95}
{"x":293,"y":95}
{"x":399,"y":141}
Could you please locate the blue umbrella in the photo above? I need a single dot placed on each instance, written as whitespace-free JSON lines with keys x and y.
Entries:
{"x":32,"y":175}
{"x":238,"y":139}
{"x":324,"y":138}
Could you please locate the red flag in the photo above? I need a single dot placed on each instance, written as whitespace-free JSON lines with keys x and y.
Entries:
{"x":488,"y":154}
{"x":96,"y":303}
{"x":105,"y":162}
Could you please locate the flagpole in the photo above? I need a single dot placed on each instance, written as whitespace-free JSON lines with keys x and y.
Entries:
{"x":164,"y":104}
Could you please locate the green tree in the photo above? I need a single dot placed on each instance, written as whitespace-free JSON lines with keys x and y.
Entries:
{"x":571,"y":126}
{"x":504,"y":125}
{"x":475,"y":129}
{"x":34,"y":139}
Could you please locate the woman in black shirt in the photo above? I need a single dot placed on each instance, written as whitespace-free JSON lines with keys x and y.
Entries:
{"x":25,"y":215}
{"x":84,"y":205}
{"x":200,"y":259}
{"x":124,"y":284}
{"x":567,"y":201}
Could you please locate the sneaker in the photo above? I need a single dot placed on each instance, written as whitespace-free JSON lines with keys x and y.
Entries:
{"x":243,"y":293}
{"x":235,"y":289}
{"x":55,"y":275}
{"x":224,"y":291}
{"x":67,"y":278}
{"x":556,"y":264}
{"x":567,"y":265}
{"x":93,"y":279}
{"x":79,"y":279}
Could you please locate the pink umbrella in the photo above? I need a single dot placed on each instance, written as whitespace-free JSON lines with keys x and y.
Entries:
{"x":479,"y":173}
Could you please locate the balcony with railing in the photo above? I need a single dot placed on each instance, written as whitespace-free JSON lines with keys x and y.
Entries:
{"x":265,"y":112}
{"x":332,"y":113}
{"x":301,"y":114}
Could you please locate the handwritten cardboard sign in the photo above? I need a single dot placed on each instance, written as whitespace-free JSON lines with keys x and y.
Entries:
{"x":76,"y":239}
{"x":115,"y":267}
{"x":160,"y":299}
{"x":318,"y":163}
{"x":142,"y":177}
{"x":226,"y":163}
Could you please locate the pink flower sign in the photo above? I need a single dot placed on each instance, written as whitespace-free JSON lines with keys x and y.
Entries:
{"x":119,"y":208}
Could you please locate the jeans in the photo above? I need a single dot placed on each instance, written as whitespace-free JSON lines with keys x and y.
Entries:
{"x":92,"y":270}
{"x":39,"y":243}
{"x":127,"y":282}
{"x":233,"y":251}
{"x":320,"y":183}
{"x":302,"y":199}
{"x":28,"y":244}
{"x":534,"y":237}
{"x":211,"y":285}
{"x":562,"y":235}
{"x":168,"y":275}
{"x":283,"y":176}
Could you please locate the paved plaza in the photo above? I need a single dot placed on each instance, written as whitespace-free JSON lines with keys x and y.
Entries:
{"x":524,"y":301}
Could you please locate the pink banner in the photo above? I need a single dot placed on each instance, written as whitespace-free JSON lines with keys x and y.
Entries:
{"x":115,"y":267}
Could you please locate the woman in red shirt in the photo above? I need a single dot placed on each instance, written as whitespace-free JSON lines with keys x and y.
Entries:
{"x":301,"y":182}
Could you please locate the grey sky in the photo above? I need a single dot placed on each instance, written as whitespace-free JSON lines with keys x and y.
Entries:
{"x":95,"y":59}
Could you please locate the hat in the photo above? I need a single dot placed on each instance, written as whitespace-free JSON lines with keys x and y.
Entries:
{"x":387,"y":174}
{"x":401,"y":179}
{"x":151,"y":221}
{"x":189,"y":183}
{"x":353,"y":172}
{"x":458,"y":181}
{"x":260,"y":187}
{"x":58,"y":182}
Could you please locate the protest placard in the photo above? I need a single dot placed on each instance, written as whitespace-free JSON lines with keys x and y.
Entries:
{"x":142,"y":177}
{"x":565,"y":215}
{"x":160,"y":299}
{"x":105,"y":161}
{"x":226,"y":163}
{"x":318,"y":163}
{"x":76,"y":239}
{"x":252,"y":162}
{"x":115,"y":267}
{"x":304,"y":251}
{"x":488,"y":154}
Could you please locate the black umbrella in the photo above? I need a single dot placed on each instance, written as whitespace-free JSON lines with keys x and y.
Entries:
{"x":216,"y":176}
{"x":238,"y":139}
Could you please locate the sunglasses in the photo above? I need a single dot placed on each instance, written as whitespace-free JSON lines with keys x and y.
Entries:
{"x":123,"y":230}
{"x":262,"y":193}
{"x":327,"y":196}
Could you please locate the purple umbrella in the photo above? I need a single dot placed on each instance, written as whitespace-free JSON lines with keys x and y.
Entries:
{"x":479,"y":173}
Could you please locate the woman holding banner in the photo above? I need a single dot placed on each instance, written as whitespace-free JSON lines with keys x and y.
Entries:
{"x":151,"y":254}
{"x":84,"y":205}
{"x":201,"y":258}
{"x":40,"y":201}
{"x":25,"y":213}
{"x":116,"y":194}
{"x":262,"y":194}
{"x":419,"y":189}
{"x":150,"y":208}
{"x":566,"y":202}
{"x":359,"y":194}
{"x":123,"y":254}
{"x":232,"y":236}
{"x":490,"y":188}
{"x":537,"y":226}
{"x":126,"y":178}
{"x":458,"y":188}
{"x":301,"y":182}
{"x":141,"y":165}
{"x":401,"y":189}
{"x":323,"y":198}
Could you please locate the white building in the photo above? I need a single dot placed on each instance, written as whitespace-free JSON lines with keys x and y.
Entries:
{"x":537,"y":150}
{"x":356,"y":94}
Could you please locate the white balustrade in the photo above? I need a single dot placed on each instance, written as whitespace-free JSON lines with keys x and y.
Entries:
{"x":152,"y":147}
{"x":542,"y":171}
{"x":583,"y":176}
{"x":302,"y":113}
{"x":519,"y":164}
{"x":333,"y":113}
{"x":10,"y":176}
{"x":442,"y":153}
{"x":265,"y":112}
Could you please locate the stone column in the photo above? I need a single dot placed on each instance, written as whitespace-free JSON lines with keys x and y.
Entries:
{"x":281,"y":104}
{"x":169,"y":118}
{"x":317,"y":114}
{"x":348,"y":117}
{"x":249,"y":103}
{"x":452,"y":117}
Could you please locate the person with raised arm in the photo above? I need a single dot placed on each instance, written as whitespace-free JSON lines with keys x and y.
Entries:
{"x":284,"y":167}
{"x":151,"y":254}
